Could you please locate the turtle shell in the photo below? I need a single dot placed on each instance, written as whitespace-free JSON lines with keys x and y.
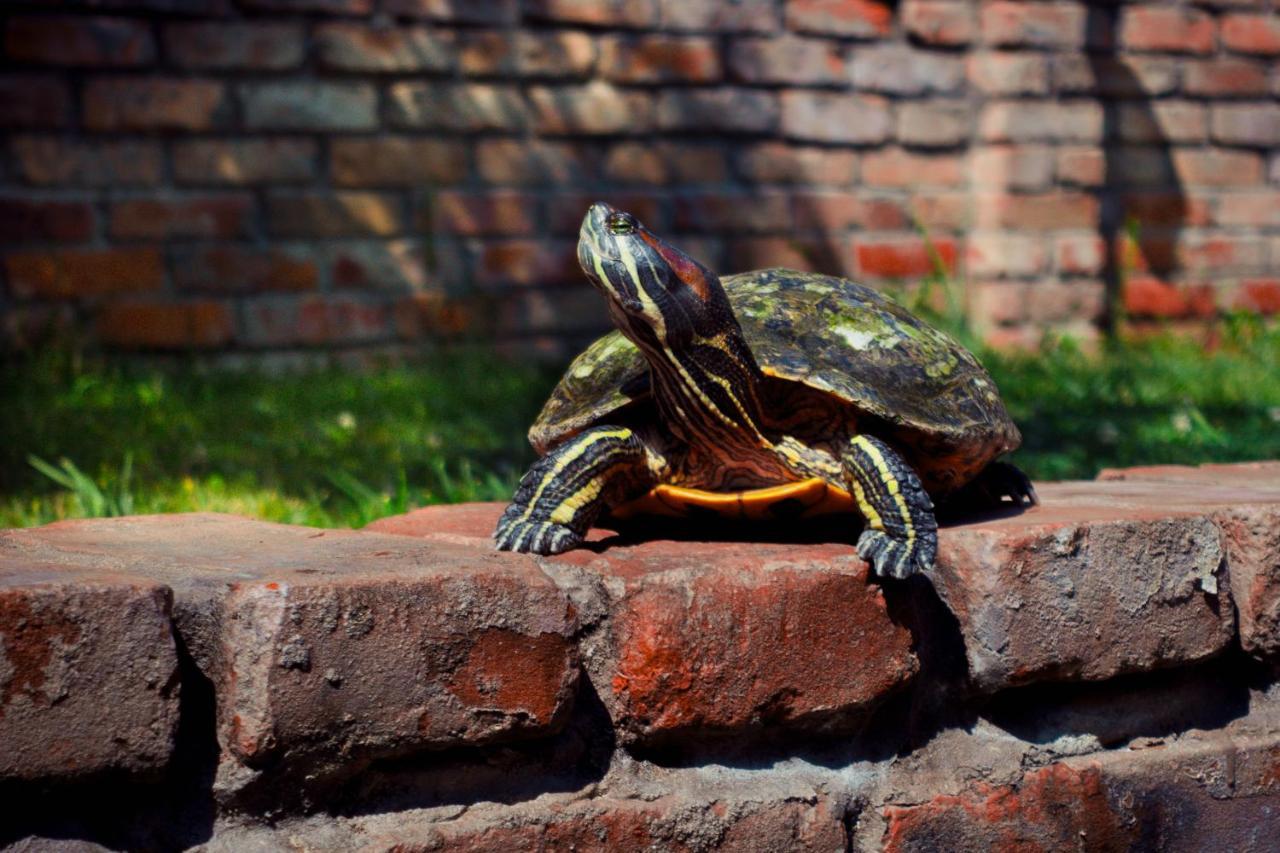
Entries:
{"x":920,"y":387}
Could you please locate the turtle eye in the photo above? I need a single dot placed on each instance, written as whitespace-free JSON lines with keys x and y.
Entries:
{"x":621,"y":224}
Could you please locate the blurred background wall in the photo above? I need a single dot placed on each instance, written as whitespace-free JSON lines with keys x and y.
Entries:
{"x":254,"y":176}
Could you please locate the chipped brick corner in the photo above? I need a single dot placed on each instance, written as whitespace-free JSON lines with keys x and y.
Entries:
{"x":1100,"y":670}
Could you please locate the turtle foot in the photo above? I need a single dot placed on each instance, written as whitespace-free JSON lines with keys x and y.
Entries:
{"x":894,"y":558}
{"x":533,"y":537}
{"x":1000,"y":481}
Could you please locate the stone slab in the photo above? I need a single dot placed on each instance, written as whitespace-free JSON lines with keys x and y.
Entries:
{"x":88,"y":670}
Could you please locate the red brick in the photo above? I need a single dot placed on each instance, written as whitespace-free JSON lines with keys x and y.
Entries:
{"x":1038,"y":212}
{"x":1258,"y":209}
{"x":813,"y":253}
{"x":940,"y":22}
{"x":457,"y":106}
{"x":232,"y":269}
{"x":1145,"y":296}
{"x":524,"y":163}
{"x":1217,"y":168}
{"x":265,"y":46}
{"x":787,"y":59}
{"x":391,"y":161}
{"x":91,"y":669}
{"x":160,"y":218}
{"x":935,"y":211}
{"x":314,"y":321}
{"x":338,"y":214}
{"x":934,"y":124}
{"x":652,"y":164}
{"x":356,"y":47}
{"x":79,"y":40}
{"x":309,"y":105}
{"x":349,"y":7}
{"x":1021,"y":167}
{"x":834,"y":118}
{"x":560,"y":312}
{"x":1079,"y":254}
{"x":747,"y":16}
{"x":1004,"y":73}
{"x":601,"y":13}
{"x":780,"y":163}
{"x":164,"y":325}
{"x":659,"y":59}
{"x":1165,"y":28}
{"x":1055,"y":302}
{"x":1158,"y":207}
{"x":526,"y":263}
{"x":1259,"y":294}
{"x":423,"y":315}
{"x":49,"y":161}
{"x":1162,"y":122}
{"x":903,"y":257}
{"x":81,"y":273}
{"x":491,"y":53}
{"x":555,"y":54}
{"x":462,"y":11}
{"x":34,"y":100}
{"x":901,"y":70}
{"x":724,"y":109}
{"x":389,"y":266}
{"x":1140,"y":166}
{"x":894,"y":167}
{"x":1081,"y":166}
{"x":1032,"y":121}
{"x":137,"y":103}
{"x":826,"y":211}
{"x":1135,"y":76}
{"x":594,"y":108}
{"x":1253,"y":125}
{"x":27,"y":220}
{"x":759,"y":212}
{"x":565,"y":210}
{"x":1054,"y":24}
{"x":1258,"y":34}
{"x":1219,"y":253}
{"x":476,"y":214}
{"x":1215,"y":77}
{"x":1000,"y":254}
{"x":859,"y":18}
{"x":244,"y":161}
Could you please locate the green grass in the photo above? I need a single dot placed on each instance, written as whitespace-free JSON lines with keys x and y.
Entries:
{"x":339,"y":449}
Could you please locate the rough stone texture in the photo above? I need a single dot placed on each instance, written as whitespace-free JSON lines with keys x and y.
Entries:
{"x":88,"y":669}
{"x":334,"y":643}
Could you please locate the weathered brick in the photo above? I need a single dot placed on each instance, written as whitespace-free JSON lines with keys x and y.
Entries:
{"x":348,"y":7}
{"x":165,"y":217}
{"x":1147,"y":296}
{"x":858,"y":18}
{"x":79,"y":40}
{"x":1018,"y":167}
{"x":759,"y":212}
{"x":91,"y":668}
{"x":934,"y":124}
{"x":476,"y":214}
{"x":660,"y":59}
{"x":1031,"y":121}
{"x":1256,"y":209}
{"x":1225,"y":76}
{"x":34,"y":100}
{"x":397,"y":266}
{"x":83,"y":273}
{"x":457,"y":106}
{"x":1080,"y":166}
{"x":1006,"y":73}
{"x":665,"y":163}
{"x":828,"y":117}
{"x":1140,"y":166}
{"x":724,"y":109}
{"x":812,"y":253}
{"x":25,"y":219}
{"x":502,"y":263}
{"x":787,"y":59}
{"x":1219,"y":253}
{"x":780,"y":163}
{"x":1254,"y":125}
{"x":601,"y":13}
{"x":152,"y":103}
{"x":564,"y":211}
{"x":900,"y":70}
{"x":1134,"y":76}
{"x":1259,"y":34}
{"x":939,"y":22}
{"x":1161,"y":121}
{"x":1167,"y":28}
{"x":396,"y":161}
{"x":260,"y":46}
{"x":461,"y":11}
{"x":312,"y":320}
{"x":1038,"y":211}
{"x":338,"y":214}
{"x":1057,"y":302}
{"x":355,"y":47}
{"x":1214,"y":167}
{"x":1052,"y":24}
{"x":1000,"y":254}
{"x":134,"y":324}
{"x":894,"y":167}
{"x":228,"y":268}
{"x":521,"y":163}
{"x":423,"y":315}
{"x":940,"y":211}
{"x":747,"y":16}
{"x":998,"y":303}
{"x":826,"y":211}
{"x":487,"y":53}
{"x":903,"y":257}
{"x":593,"y":108}
{"x":1261,"y":295}
{"x":244,"y":161}
{"x":50,"y":161}
{"x":1079,"y":254}
{"x":309,"y":105}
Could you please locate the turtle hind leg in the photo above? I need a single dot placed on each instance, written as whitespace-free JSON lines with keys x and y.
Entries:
{"x":901,"y":536}
{"x":997,"y":483}
{"x":565,"y":491}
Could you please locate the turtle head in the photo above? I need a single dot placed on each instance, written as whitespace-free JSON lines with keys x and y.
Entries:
{"x":657,"y":294}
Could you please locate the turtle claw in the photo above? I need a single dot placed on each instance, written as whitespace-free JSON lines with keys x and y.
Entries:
{"x":893,"y":558}
{"x":1003,"y":480}
{"x":533,"y":537}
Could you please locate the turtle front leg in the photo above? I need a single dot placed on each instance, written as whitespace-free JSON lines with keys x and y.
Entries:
{"x":901,"y":536}
{"x":565,"y":491}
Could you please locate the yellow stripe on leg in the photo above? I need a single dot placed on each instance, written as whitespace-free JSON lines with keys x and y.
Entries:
{"x":891,"y":486}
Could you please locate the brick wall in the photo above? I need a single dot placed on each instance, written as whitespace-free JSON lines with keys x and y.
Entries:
{"x":286,"y":174}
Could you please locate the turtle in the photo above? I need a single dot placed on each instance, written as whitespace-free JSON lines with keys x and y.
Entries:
{"x":766,"y":395}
